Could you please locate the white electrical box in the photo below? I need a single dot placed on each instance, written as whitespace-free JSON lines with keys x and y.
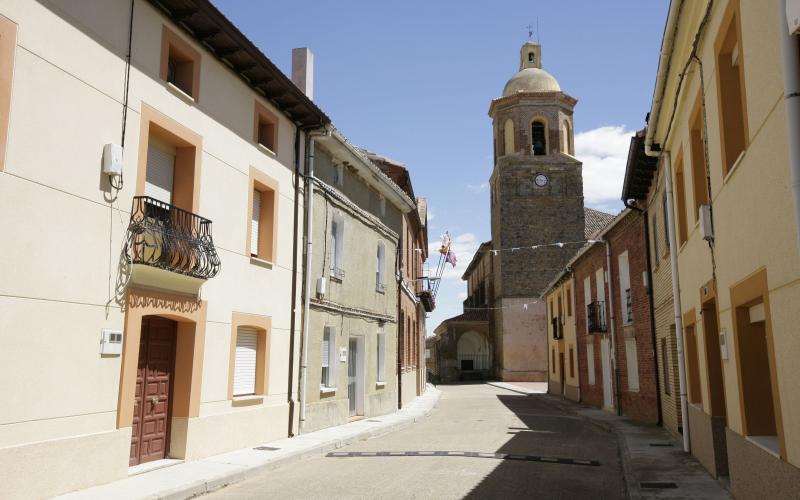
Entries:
{"x":322,"y":285}
{"x":112,"y":160}
{"x":704,"y":214}
{"x":111,"y":342}
{"x":723,"y":344}
{"x":793,"y":16}
{"x":343,"y":355}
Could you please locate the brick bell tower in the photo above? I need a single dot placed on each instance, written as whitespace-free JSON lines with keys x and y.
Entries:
{"x":536,"y":198}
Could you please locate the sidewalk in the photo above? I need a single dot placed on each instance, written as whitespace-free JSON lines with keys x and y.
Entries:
{"x":191,"y":479}
{"x":654,"y":462}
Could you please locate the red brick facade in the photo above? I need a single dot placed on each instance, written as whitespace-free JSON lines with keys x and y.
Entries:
{"x":632,"y":338}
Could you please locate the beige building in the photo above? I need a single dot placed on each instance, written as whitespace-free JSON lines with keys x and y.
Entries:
{"x":719,"y":123}
{"x":357,"y":214}
{"x":141,"y":330}
{"x":562,"y":341}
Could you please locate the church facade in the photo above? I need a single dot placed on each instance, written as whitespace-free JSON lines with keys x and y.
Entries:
{"x":536,"y":199}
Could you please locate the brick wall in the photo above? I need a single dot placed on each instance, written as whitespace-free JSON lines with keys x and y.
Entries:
{"x":628,"y":236}
{"x":587,"y":265}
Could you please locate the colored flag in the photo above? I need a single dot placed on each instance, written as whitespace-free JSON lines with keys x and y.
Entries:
{"x":451,"y":257}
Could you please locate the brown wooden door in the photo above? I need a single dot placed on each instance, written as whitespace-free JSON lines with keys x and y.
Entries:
{"x":562,"y":372}
{"x":151,"y":413}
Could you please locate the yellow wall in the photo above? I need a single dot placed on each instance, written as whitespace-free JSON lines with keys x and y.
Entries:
{"x":752,"y":205}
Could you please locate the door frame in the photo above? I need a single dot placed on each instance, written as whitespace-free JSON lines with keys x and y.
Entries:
{"x":360,"y":371}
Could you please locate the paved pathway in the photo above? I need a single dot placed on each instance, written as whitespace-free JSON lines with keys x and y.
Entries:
{"x":480,"y":442}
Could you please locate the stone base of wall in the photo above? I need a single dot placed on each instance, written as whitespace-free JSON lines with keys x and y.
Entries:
{"x":554,"y":387}
{"x":572,"y":392}
{"x":758,"y":474}
{"x":523,"y":376}
{"x":707,"y":435}
{"x":56,"y":466}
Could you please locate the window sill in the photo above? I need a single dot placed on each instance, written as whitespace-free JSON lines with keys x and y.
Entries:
{"x":769,"y":444}
{"x":249,"y":400}
{"x":260,"y":262}
{"x":336,"y":279}
{"x":327,"y":390}
{"x":380,"y":289}
{"x":180,"y":93}
{"x":380,"y":385}
{"x":266,"y":150}
{"x":734,"y":167}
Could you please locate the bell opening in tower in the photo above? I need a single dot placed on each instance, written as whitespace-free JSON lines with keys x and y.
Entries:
{"x":538,"y":140}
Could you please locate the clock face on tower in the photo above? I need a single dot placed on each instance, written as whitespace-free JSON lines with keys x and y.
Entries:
{"x":541,"y":180}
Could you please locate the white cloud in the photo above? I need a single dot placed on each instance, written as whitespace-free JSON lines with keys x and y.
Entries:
{"x":604,"y":153}
{"x":478,"y":188}
{"x":464,"y":245}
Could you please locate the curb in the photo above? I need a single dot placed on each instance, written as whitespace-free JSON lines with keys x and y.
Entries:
{"x":216,"y":480}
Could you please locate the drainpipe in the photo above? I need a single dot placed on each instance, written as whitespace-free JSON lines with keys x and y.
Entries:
{"x":791,"y":92}
{"x":613,"y":326}
{"x":398,"y":266}
{"x":293,"y":307}
{"x":676,"y":291}
{"x":309,"y":218}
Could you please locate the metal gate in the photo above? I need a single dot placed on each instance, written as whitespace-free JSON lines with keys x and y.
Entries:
{"x":352,"y":362}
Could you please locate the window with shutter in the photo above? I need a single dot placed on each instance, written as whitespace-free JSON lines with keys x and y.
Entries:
{"x":160,"y":173}
{"x":244,"y":375}
{"x":254,"y":223}
{"x":328,"y":357}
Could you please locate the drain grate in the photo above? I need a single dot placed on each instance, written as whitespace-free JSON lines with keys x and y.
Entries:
{"x":662,"y":485}
{"x":265,"y":448}
{"x":472,"y":454}
{"x":660,"y":444}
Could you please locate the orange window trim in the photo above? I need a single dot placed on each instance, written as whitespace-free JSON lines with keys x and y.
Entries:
{"x":169,"y":39}
{"x":8,"y":44}
{"x":732,"y":15}
{"x":263,"y":325}
{"x":189,"y":147}
{"x":262,"y":115}
{"x":268,"y":220}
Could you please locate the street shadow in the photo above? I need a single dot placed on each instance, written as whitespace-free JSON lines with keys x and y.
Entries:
{"x":551,"y":430}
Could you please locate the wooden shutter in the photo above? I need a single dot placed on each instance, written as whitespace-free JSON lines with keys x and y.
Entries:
{"x":160,"y":173}
{"x":244,"y":374}
{"x":254,"y":224}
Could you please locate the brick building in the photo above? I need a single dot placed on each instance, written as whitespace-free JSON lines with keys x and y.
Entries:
{"x":616,"y":359}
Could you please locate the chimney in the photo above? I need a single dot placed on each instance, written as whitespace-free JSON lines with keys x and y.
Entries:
{"x":303,"y":70}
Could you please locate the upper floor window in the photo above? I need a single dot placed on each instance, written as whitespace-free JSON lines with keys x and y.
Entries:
{"x":539,"y":138}
{"x":180,"y":63}
{"x":680,"y":200}
{"x":265,"y":130}
{"x":731,"y":86}
{"x":337,"y":247}
{"x":338,"y":174}
{"x":698,"y":149}
{"x":380,"y":279}
{"x":262,"y":235}
{"x":625,"y":288}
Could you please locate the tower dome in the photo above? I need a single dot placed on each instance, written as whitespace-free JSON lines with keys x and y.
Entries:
{"x":531,"y":77}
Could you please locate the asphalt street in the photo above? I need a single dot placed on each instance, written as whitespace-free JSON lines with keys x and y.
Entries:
{"x":480,"y":442}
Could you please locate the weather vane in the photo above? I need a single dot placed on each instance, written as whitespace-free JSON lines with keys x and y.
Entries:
{"x":531,"y":30}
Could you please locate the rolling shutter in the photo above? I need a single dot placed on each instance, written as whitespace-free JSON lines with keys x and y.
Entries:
{"x":244,"y":372}
{"x":254,"y":236}
{"x":160,"y":172}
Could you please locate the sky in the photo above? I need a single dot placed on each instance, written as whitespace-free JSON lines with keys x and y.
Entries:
{"x":413,"y":81}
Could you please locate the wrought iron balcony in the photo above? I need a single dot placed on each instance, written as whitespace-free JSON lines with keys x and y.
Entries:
{"x":169,"y":238}
{"x":628,"y":306}
{"x":428,"y":300}
{"x":596,"y":317}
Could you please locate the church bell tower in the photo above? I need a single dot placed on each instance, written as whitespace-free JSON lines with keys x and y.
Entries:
{"x":536,"y":198}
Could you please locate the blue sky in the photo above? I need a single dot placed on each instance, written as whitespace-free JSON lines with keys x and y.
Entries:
{"x":413,"y":81}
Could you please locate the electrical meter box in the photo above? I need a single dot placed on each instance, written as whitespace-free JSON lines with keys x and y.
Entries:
{"x":112,"y":160}
{"x":111,"y":342}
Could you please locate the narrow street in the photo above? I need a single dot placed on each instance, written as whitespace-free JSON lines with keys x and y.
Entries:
{"x":516,"y":440}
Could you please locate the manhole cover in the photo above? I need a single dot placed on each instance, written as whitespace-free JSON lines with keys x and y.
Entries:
{"x":265,"y":448}
{"x":658,"y":485}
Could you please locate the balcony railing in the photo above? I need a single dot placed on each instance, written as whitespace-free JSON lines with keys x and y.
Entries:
{"x":427,"y":299}
{"x":558,"y":328}
{"x":596,"y":312}
{"x":167,"y":237}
